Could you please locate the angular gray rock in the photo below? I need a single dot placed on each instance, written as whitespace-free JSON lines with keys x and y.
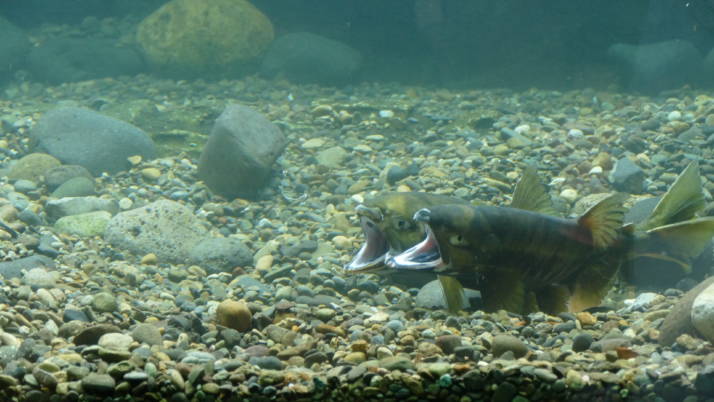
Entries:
{"x":308,"y":58}
{"x":240,"y":152}
{"x":165,"y":228}
{"x":83,"y":137}
{"x":627,"y":177}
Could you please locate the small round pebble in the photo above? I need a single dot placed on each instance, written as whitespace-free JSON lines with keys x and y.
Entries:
{"x":582,"y":342}
{"x":234,"y":314}
{"x":508,"y":343}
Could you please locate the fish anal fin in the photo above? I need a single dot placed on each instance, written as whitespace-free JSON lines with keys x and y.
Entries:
{"x":531,"y":195}
{"x":681,"y":201}
{"x":453,"y":293}
{"x":553,"y":299}
{"x":604,"y":220}
{"x":504,"y":290}
{"x":591,"y":286}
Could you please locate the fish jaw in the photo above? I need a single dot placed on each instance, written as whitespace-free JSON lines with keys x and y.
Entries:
{"x":424,"y":256}
{"x":373,"y":253}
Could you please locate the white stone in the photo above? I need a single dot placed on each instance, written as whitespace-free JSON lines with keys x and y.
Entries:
{"x":569,"y":194}
{"x":386,"y":114}
{"x":703,"y":313}
{"x":674,"y":115}
{"x":115,"y":341}
{"x":597,"y":170}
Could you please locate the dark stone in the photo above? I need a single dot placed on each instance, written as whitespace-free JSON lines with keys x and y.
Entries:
{"x":304,"y":57}
{"x":82,"y":59}
{"x":60,"y":174}
{"x":564,"y":327}
{"x":84,"y":137}
{"x":582,"y":342}
{"x":240,"y":152}
{"x":465,"y":353}
{"x":74,"y":315}
{"x":266,"y":362}
{"x":627,"y":177}
{"x":98,"y":384}
{"x":293,"y":250}
{"x":704,"y":382}
{"x":231,"y":337}
{"x":220,"y":254}
{"x":91,"y":335}
{"x":505,"y":392}
{"x":508,"y":343}
{"x":13,"y":269}
{"x":396,"y":173}
{"x":448,"y":343}
{"x":315,"y":357}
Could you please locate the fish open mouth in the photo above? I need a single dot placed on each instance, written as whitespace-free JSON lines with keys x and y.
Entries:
{"x":373,"y":253}
{"x":424,"y":256}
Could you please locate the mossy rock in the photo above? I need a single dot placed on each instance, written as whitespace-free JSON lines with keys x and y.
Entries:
{"x":197,"y":37}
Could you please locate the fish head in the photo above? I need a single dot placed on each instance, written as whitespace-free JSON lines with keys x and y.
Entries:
{"x":388,"y":227}
{"x":445,"y":247}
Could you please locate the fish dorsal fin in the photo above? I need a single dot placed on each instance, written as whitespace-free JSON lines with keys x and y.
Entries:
{"x":604,"y":220}
{"x":531,"y":195}
{"x":686,"y":239}
{"x":683,"y":199}
{"x":453,"y":293}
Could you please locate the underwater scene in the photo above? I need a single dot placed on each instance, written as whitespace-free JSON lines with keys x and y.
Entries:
{"x":356,"y":200}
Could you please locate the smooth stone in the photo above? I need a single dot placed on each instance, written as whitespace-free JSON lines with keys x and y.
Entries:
{"x":234,"y":314}
{"x":703,"y":313}
{"x":679,"y":319}
{"x":147,"y":333}
{"x":32,"y":167}
{"x":582,"y":342}
{"x":75,"y":187}
{"x":448,"y":343}
{"x":85,"y":225}
{"x":98,"y":383}
{"x":266,"y":362}
{"x":40,"y":278}
{"x":115,"y":341}
{"x":508,"y":343}
{"x":104,"y":302}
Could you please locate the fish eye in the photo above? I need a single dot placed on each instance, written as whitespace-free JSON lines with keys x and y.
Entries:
{"x":402,"y":224}
{"x":457,"y":240}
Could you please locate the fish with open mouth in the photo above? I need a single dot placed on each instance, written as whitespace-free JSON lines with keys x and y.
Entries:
{"x":527,"y":261}
{"x":388,"y":228}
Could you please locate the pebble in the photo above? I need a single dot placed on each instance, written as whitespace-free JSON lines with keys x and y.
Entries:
{"x":234,"y":314}
{"x":508,"y":343}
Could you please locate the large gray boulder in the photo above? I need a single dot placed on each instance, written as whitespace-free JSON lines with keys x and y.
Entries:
{"x":240,"y":152}
{"x":165,"y":228}
{"x":658,"y":66}
{"x":14,"y":46}
{"x":308,"y":58}
{"x":83,"y":137}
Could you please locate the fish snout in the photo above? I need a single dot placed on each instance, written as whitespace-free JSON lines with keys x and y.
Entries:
{"x":372,"y":213}
{"x":422,"y":215}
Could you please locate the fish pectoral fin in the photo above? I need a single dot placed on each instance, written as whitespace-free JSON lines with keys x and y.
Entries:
{"x":531,"y":195}
{"x":687,"y":239}
{"x":591,"y":286}
{"x":503,"y":290}
{"x":604,"y":220}
{"x":553,"y":299}
{"x":453,"y":293}
{"x":683,"y":199}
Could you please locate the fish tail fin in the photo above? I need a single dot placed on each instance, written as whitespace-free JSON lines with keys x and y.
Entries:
{"x":453,"y":293}
{"x":604,"y":220}
{"x":680,"y":203}
{"x":686,"y":239}
{"x":531,"y":195}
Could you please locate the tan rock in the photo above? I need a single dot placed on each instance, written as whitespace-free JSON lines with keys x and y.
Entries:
{"x":234,"y":314}
{"x":197,"y":36}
